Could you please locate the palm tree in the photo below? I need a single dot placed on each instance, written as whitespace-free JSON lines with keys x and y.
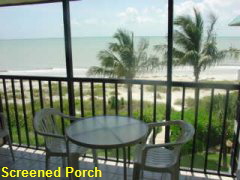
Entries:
{"x":190,"y":46}
{"x":122,"y":60}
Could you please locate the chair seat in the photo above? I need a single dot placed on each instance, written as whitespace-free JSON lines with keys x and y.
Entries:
{"x":156,"y":157}
{"x":3,"y":133}
{"x":58,"y":146}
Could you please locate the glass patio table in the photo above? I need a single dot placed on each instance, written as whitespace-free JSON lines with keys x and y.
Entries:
{"x":108,"y":132}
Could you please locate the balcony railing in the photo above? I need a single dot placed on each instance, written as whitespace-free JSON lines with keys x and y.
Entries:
{"x":211,"y":107}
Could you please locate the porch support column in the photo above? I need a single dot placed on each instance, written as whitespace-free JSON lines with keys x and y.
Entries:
{"x":68,"y":53}
{"x":169,"y":66}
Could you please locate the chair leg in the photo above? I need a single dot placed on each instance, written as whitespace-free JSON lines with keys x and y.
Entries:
{"x":95,"y":158}
{"x":64,"y":162}
{"x":175,"y":173}
{"x":10,"y":146}
{"x":141,"y":174}
{"x":73,"y":162}
{"x":136,"y":171}
{"x":47,"y":163}
{"x":175,"y":176}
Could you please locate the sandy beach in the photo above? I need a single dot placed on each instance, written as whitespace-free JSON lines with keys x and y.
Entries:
{"x":217,"y":73}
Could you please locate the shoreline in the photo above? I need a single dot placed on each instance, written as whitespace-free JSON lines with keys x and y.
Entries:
{"x":215,"y":73}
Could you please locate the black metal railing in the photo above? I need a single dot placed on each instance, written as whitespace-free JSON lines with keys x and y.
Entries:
{"x":212,"y":108}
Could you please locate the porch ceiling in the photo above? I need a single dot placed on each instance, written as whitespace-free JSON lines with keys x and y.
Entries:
{"x":25,"y":2}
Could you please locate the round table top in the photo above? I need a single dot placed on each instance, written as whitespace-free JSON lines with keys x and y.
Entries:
{"x":107,"y":131}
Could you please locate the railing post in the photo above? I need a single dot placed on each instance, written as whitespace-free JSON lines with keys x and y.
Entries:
{"x":68,"y":52}
{"x":1,"y":105}
{"x":1,"y":110}
{"x":3,"y":141}
{"x":235,"y":166}
{"x":169,"y":67}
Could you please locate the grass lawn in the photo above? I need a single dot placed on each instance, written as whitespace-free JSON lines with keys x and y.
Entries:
{"x":200,"y":160}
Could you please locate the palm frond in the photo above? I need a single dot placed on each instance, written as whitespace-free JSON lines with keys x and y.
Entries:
{"x":183,"y":21}
{"x":115,"y":47}
{"x":96,"y":71}
{"x":151,"y":63}
{"x":183,"y":40}
{"x":108,"y":58}
{"x":124,"y":38}
{"x":160,"y":48}
{"x":190,"y":31}
{"x":210,"y":30}
{"x":141,"y":54}
{"x":191,"y":58}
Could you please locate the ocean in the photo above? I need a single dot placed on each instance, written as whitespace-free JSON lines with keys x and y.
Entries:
{"x":47,"y":57}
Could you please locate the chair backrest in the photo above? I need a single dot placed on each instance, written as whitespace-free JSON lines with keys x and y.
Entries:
{"x":187,"y":132}
{"x":45,"y":122}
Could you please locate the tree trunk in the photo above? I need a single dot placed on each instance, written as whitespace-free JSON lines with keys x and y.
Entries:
{"x":196,"y":75}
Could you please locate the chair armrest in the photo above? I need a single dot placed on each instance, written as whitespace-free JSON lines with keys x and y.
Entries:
{"x":156,"y":124}
{"x":50,"y":135}
{"x":73,"y":118}
{"x":165,"y":123}
{"x":151,"y":146}
{"x":150,"y":137}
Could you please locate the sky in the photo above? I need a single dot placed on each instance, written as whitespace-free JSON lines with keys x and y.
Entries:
{"x":104,"y":17}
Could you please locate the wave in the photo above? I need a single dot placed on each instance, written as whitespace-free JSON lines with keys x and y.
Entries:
{"x":3,"y":70}
{"x":54,"y":71}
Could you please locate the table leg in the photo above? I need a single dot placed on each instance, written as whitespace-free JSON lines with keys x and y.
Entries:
{"x":72,"y":161}
{"x":124,"y":164}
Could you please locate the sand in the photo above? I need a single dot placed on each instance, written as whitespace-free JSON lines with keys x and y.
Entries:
{"x":218,"y":73}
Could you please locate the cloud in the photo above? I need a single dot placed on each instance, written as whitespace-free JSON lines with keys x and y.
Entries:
{"x":219,"y":7}
{"x":134,"y":16}
{"x":225,"y":10}
{"x":88,"y":21}
{"x":91,"y":21}
{"x":75,"y":22}
{"x":152,"y":19}
{"x":130,"y":11}
{"x":156,"y":17}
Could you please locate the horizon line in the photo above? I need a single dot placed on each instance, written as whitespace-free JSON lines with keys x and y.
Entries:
{"x":95,"y":37}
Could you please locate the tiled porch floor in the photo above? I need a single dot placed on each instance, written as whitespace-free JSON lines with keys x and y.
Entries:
{"x":29,"y":159}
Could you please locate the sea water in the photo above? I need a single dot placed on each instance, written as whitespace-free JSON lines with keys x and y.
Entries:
{"x":47,"y":56}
